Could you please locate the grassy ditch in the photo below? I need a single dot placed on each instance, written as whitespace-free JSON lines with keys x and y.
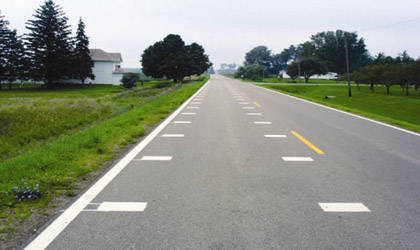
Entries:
{"x":53,"y":138}
{"x":395,"y":108}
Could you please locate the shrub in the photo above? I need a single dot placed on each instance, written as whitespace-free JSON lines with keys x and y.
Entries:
{"x":256,"y":77}
{"x":129,"y":80}
{"x":251,"y":72}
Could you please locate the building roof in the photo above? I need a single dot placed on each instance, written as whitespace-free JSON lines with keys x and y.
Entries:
{"x":121,"y":71}
{"x":117,"y":56}
{"x":100,"y":55}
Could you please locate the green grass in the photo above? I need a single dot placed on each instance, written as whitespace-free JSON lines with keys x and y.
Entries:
{"x":80,"y":129}
{"x":395,"y":108}
{"x":288,"y":80}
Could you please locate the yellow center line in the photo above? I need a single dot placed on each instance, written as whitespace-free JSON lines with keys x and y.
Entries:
{"x":257,"y":104}
{"x":312,"y":146}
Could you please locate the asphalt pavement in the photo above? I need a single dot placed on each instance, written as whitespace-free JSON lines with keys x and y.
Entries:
{"x":242,"y":167}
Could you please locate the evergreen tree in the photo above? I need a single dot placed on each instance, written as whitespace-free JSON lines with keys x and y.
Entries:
{"x":12,"y":54}
{"x":82,"y":60}
{"x":50,"y":44}
{"x":4,"y":34}
{"x":15,"y":66}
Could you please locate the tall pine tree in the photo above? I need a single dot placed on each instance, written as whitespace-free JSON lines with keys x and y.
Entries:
{"x":82,"y":60}
{"x":4,"y":34}
{"x":15,"y":66}
{"x":12,"y":54}
{"x":49,"y":44}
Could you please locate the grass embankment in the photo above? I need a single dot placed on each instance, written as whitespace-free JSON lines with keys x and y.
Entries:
{"x":395,"y":108}
{"x":54,"y":138}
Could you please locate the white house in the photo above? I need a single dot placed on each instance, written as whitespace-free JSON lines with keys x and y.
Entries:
{"x":106,"y":68}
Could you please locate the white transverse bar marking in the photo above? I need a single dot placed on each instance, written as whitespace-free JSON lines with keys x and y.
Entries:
{"x":253,"y":113}
{"x":195,"y":102}
{"x":156,"y":158}
{"x":186,"y":113}
{"x":192,"y":107}
{"x":262,"y":122}
{"x":122,"y":206}
{"x":297,"y":159}
{"x":275,"y":136}
{"x":172,"y":135}
{"x":182,"y":122}
{"x":242,"y":103}
{"x":344,"y":207}
{"x":248,"y":107}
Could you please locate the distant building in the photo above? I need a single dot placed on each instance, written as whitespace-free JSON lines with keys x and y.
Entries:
{"x":329,"y":75}
{"x":107,"y":67}
{"x":228,"y":69}
{"x":210,"y":71}
{"x":228,"y":66}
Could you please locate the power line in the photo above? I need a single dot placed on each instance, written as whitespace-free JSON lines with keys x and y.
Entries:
{"x":392,"y":24}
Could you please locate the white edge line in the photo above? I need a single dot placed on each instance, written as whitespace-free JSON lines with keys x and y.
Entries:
{"x":341,"y":111}
{"x":60,"y":223}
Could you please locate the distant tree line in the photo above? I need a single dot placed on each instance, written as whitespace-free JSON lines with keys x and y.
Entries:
{"x":324,"y":52}
{"x":172,"y":59}
{"x":401,"y":71}
{"x":47,"y":53}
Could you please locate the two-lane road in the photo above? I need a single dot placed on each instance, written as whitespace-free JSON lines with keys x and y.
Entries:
{"x":241,"y":167}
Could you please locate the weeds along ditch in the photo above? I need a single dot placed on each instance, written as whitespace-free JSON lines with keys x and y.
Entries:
{"x":51,"y":139}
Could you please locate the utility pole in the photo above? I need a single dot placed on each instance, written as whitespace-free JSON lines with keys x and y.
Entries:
{"x":298,"y":61}
{"x":347,"y":62}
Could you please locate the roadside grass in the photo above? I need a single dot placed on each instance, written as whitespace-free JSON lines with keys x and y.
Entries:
{"x":79,"y":133}
{"x":289,"y":80}
{"x":395,"y":108}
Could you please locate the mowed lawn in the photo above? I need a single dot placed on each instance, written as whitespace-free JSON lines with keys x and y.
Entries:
{"x":395,"y":108}
{"x":289,"y":80}
{"x":50,"y":139}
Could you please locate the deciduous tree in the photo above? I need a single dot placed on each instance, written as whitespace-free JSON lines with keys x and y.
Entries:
{"x":199,"y":60}
{"x":260,"y":55}
{"x":308,"y":67}
{"x":329,"y":48}
{"x":170,"y":58}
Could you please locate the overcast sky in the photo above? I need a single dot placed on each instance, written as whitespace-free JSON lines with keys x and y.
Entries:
{"x":228,"y":29}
